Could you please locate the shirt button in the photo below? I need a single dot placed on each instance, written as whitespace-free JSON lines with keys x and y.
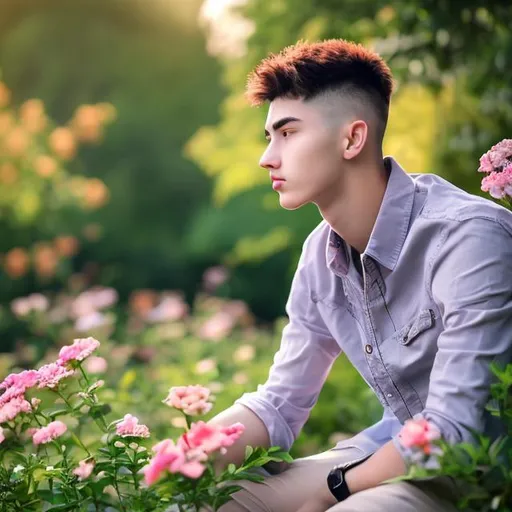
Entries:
{"x":369,"y":349}
{"x":389,"y":395}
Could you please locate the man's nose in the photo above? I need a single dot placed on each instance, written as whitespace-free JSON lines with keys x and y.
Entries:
{"x":269,"y":159}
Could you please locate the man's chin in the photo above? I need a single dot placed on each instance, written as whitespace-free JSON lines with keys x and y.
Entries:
{"x":290,"y":203}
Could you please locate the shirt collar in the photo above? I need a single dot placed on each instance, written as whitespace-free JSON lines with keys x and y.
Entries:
{"x":391,"y":227}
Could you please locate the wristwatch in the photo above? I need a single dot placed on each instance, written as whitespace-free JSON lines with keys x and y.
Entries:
{"x":336,"y":478}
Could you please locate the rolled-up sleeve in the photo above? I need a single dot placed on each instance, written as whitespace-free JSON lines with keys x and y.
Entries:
{"x":471,"y":281}
{"x":300,"y":368}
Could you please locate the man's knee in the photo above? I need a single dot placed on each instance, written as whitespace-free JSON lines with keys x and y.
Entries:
{"x":400,"y":496}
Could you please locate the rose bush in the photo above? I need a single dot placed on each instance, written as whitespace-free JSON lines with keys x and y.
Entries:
{"x":47,"y":464}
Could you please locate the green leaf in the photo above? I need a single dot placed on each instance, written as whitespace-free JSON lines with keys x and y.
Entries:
{"x":248,"y":451}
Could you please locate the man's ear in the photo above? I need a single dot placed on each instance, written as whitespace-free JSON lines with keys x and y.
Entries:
{"x":354,"y":139}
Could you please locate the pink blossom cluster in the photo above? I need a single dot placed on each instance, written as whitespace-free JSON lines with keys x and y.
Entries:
{"x":84,"y":469}
{"x":47,"y":434}
{"x":93,"y":300}
{"x":191,"y":451}
{"x":14,"y":386}
{"x":499,"y":184}
{"x":23,"y":306}
{"x":497,"y":158}
{"x":13,"y":407}
{"x":497,"y":164}
{"x":51,"y":374}
{"x":129,"y":427}
{"x":419,"y":433}
{"x":192,"y":400}
{"x":170,"y":308}
{"x":78,"y":351}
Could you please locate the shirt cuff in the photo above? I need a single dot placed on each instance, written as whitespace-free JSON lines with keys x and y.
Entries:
{"x":279,"y":432}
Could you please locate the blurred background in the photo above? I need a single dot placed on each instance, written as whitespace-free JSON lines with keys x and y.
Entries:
{"x":131,"y":202}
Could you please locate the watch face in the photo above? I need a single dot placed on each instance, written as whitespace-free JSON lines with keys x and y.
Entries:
{"x":334,"y":479}
{"x":336,"y":484}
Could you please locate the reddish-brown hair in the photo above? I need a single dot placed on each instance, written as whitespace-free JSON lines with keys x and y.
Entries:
{"x":305,"y":70}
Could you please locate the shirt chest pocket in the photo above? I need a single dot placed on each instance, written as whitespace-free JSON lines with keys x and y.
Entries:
{"x":411,"y":331}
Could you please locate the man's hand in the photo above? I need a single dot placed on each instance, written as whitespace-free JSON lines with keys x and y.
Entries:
{"x":321,"y":500}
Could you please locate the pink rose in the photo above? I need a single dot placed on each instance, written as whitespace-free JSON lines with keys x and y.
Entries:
{"x":12,"y":408}
{"x":418,"y":434}
{"x":192,"y":400}
{"x":81,"y":348}
{"x":47,"y":434}
{"x":217,"y":327}
{"x":172,"y":458}
{"x":16,"y":384}
{"x":51,"y":374}
{"x":499,"y":184}
{"x":209,"y":438}
{"x":129,"y":427}
{"x":96,"y":364}
{"x":83,"y":470}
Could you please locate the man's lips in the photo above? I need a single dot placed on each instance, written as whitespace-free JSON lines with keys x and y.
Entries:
{"x":276,"y":182}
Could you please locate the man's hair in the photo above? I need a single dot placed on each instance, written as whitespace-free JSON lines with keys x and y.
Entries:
{"x":306,"y":70}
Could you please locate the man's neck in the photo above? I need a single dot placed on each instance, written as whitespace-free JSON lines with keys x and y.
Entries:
{"x":352,"y":214}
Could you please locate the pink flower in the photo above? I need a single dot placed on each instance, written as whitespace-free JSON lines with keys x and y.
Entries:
{"x":83,"y":470}
{"x":171,"y":307}
{"x":2,"y":435}
{"x":233,"y":432}
{"x":499,"y":184}
{"x":418,"y":434}
{"x":213,"y":277}
{"x":91,"y":321}
{"x":206,"y":366}
{"x":173,"y":459}
{"x":46,"y":434}
{"x":96,"y":364}
{"x":11,"y":409}
{"x":16,"y":384}
{"x":217,"y":327}
{"x":129,"y":427}
{"x":92,"y":300}
{"x":209,"y":438}
{"x":192,"y":400}
{"x":23,"y":306}
{"x":81,"y":348}
{"x":485,"y":164}
{"x":497,"y":158}
{"x":51,"y":374}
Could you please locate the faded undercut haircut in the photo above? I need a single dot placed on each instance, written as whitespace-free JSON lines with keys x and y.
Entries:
{"x":309,"y":70}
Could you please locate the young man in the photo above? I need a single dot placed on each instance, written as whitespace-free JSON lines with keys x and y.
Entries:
{"x":408,"y":275}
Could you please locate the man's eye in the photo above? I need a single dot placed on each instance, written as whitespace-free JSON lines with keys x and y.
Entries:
{"x":286,"y":133}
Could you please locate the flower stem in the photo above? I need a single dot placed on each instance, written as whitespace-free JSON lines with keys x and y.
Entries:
{"x":116,"y":487}
{"x":66,"y":401}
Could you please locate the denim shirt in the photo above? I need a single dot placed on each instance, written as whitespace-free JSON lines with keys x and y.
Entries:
{"x":430,"y":312}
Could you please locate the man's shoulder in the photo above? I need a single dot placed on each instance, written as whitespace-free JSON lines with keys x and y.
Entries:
{"x":448,"y":203}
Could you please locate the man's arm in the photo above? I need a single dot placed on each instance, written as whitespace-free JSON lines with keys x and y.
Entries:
{"x":280,"y":407}
{"x":255,"y":434}
{"x":472,"y":283}
{"x":384,"y":464}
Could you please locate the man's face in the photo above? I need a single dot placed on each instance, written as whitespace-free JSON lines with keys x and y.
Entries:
{"x":304,"y":152}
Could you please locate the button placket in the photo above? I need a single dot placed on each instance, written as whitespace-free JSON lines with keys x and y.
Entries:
{"x":386,"y":387}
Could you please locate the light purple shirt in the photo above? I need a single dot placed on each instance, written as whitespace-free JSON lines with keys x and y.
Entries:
{"x":431,"y":312}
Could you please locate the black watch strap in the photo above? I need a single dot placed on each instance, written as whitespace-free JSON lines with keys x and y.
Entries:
{"x":336,"y":478}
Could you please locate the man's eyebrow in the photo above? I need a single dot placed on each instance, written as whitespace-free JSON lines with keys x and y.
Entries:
{"x":280,"y":123}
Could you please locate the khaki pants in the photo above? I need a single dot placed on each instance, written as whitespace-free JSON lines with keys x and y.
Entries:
{"x":288,"y":490}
